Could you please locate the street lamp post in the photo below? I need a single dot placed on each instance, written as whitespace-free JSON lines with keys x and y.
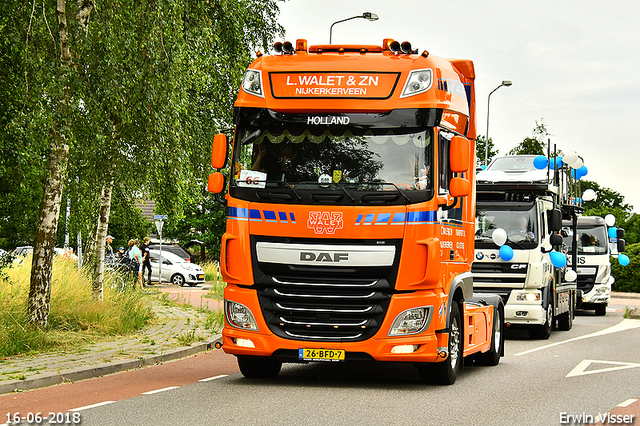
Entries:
{"x":506,"y":83}
{"x":366,"y":15}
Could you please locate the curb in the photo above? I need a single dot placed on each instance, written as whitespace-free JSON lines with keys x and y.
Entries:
{"x":83,"y":373}
{"x":617,"y":295}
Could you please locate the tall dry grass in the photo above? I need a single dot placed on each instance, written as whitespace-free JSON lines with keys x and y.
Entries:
{"x":74,"y":318}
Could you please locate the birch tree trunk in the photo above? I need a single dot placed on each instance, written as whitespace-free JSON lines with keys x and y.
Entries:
{"x":45,"y":237}
{"x":101,"y":233}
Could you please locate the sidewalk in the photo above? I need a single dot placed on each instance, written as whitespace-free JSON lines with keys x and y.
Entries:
{"x":155,"y":344}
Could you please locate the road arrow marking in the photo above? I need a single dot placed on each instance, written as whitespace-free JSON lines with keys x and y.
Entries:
{"x":581,"y":368}
{"x":625,"y":324}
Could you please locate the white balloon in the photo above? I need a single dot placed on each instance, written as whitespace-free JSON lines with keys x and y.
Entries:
{"x":571,"y":157}
{"x":589,"y":195}
{"x":499,"y":237}
{"x":571,"y":275}
{"x":610,"y":219}
{"x":577,"y":164}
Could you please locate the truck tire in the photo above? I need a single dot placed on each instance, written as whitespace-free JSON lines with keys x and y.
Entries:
{"x":565,"y":321}
{"x":492,"y":356}
{"x":543,"y":331}
{"x":601,"y":310}
{"x":445,"y":373}
{"x":257,"y":367}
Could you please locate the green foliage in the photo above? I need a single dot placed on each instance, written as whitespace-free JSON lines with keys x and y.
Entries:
{"x":75,"y":317}
{"x":536,"y":145}
{"x":609,"y":201}
{"x":627,"y":277}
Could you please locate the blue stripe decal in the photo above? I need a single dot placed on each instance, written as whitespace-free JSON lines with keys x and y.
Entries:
{"x":283,"y":217}
{"x":383,"y":219}
{"x":237,"y":213}
{"x":293,"y":218}
{"x":358,"y":219}
{"x":369,"y":219}
{"x":255,"y":216}
{"x":270,"y":216}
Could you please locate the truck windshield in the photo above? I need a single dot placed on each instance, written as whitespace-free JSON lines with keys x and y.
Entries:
{"x":517,"y":219}
{"x":345,"y":159}
{"x":591,"y":240}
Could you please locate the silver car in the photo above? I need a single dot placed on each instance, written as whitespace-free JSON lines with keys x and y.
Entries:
{"x":175,"y":269}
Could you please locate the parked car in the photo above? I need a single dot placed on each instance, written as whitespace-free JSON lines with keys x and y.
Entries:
{"x":175,"y":269}
{"x":22,"y":251}
{"x":177,"y":250}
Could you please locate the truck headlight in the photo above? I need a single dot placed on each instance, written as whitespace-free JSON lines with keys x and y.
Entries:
{"x":419,"y":81}
{"x":252,"y":82}
{"x":411,"y":321}
{"x":534,"y":296}
{"x":239,"y":316}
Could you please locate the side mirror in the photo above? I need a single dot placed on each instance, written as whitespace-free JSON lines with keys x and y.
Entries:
{"x":620,"y":233}
{"x":554,"y":217}
{"x":555,"y":239}
{"x":459,"y":187}
{"x":459,"y":154}
{"x":215,"y":184}
{"x":219,"y":151}
{"x":621,"y":245}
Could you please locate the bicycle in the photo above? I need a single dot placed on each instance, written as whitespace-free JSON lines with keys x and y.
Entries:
{"x":116,"y":275}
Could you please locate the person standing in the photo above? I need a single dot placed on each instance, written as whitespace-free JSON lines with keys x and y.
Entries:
{"x":136,"y":259}
{"x":146,"y":259}
{"x":108,"y":250}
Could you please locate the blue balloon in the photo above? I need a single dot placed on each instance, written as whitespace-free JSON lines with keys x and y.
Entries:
{"x":483,"y":167}
{"x":506,"y":253}
{"x":623,"y":259}
{"x":540,"y":162}
{"x":558,"y":259}
{"x":558,"y":161}
{"x":613,"y":232}
{"x":583,"y":171}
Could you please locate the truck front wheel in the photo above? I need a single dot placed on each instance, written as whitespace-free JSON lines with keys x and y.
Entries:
{"x":257,"y":367}
{"x":601,"y":310}
{"x":543,"y":331}
{"x":445,"y":373}
{"x":565,"y":321}
{"x":492,"y":356}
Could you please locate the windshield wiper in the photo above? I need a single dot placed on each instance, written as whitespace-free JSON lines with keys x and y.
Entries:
{"x":251,"y":137}
{"x":346,"y":192}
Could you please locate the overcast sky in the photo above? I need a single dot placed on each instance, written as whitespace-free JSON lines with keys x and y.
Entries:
{"x":573,"y":64}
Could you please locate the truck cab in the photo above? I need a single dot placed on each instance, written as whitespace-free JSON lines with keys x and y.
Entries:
{"x":593,"y":262}
{"x":350,"y":212}
{"x":515,"y":198}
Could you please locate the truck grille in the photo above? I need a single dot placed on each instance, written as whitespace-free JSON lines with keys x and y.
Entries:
{"x":324,"y":304}
{"x":586,"y":282}
{"x":488,"y":274}
{"x":313,"y":311}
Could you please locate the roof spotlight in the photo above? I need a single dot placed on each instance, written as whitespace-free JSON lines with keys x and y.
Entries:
{"x":405,"y":47}
{"x":394,"y":46}
{"x":287,"y":47}
{"x":277,"y":46}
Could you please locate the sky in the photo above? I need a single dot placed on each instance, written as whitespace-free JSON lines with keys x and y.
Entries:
{"x":573,"y":65}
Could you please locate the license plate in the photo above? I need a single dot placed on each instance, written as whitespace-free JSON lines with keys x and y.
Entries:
{"x":335,"y":355}
{"x":201,"y":276}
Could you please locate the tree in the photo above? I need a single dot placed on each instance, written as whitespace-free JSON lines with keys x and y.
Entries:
{"x":481,"y":148}
{"x":535,"y":145}
{"x":136,"y":84}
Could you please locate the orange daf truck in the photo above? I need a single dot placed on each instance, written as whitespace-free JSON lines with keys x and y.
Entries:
{"x":350,"y":203}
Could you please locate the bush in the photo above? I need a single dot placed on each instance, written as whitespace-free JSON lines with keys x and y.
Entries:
{"x":627,"y":277}
{"x":74,"y":317}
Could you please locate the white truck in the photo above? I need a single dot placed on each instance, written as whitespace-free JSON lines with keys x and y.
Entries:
{"x":529,"y":205}
{"x":593,"y":253}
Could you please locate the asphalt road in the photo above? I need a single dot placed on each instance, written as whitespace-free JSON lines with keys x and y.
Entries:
{"x":583,"y":372}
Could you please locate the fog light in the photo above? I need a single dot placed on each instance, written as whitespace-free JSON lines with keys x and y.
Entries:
{"x":404,"y":349}
{"x":239,"y":316}
{"x":522,"y":313}
{"x":245,"y":343}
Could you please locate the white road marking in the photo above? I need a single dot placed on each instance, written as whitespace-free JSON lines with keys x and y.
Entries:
{"x":213,"y":378}
{"x":627,"y":403}
{"x":92,"y":405}
{"x":625,"y":324}
{"x":579,"y":370}
{"x":160,"y":390}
